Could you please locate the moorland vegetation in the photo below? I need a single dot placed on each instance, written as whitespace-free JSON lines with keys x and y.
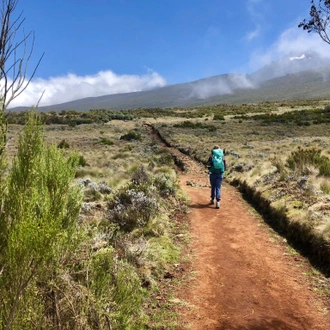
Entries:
{"x":88,"y":229}
{"x":93,"y":211}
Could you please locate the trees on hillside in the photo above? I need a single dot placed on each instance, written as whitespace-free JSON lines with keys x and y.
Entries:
{"x":319,"y":20}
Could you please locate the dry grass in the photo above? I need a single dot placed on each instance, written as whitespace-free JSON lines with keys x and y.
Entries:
{"x":257,"y":154}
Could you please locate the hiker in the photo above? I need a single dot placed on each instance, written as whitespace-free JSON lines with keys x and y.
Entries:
{"x":216,"y":166}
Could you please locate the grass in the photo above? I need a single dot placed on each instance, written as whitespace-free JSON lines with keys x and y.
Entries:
{"x":279,"y":160}
{"x":144,"y":253}
{"x":257,"y":155}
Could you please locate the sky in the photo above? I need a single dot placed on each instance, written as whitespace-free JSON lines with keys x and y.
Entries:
{"x":100,"y":47}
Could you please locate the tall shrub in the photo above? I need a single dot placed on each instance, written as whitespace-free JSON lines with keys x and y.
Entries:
{"x":39,"y":207}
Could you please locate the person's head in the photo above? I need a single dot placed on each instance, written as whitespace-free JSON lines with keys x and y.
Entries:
{"x":216,"y":147}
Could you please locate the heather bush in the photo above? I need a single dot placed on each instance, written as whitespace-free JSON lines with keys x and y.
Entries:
{"x":106,"y":141}
{"x":131,"y":136}
{"x":166,"y":184}
{"x":39,"y":208}
{"x":63,"y":145}
{"x":133,"y":206}
{"x":141,"y":176}
{"x":165,"y":158}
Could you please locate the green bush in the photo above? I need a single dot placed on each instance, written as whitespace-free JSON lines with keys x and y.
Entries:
{"x":106,"y":141}
{"x":39,"y":209}
{"x":116,"y":282}
{"x":63,"y":145}
{"x":81,"y":161}
{"x":218,"y":117}
{"x":324,"y":168}
{"x":300,"y":159}
{"x":131,"y":136}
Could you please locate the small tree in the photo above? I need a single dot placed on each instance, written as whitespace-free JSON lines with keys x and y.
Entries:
{"x":39,"y":207}
{"x":15,"y":56}
{"x":319,"y":19}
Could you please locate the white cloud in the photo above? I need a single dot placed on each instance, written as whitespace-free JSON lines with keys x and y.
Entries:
{"x":222,"y":85}
{"x":253,"y":34}
{"x":255,"y":11}
{"x":292,"y":41}
{"x":72,"y":87}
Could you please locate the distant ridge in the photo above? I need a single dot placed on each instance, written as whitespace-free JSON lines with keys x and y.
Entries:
{"x":304,"y":76}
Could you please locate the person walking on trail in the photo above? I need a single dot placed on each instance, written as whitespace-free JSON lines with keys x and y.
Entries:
{"x":216,"y":166}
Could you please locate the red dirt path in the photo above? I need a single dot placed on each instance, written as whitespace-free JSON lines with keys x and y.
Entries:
{"x":243,"y":277}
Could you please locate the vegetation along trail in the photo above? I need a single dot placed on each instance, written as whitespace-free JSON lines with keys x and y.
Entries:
{"x":244,"y":276}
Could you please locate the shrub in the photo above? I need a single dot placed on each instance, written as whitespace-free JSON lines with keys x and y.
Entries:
{"x":218,"y":117}
{"x":132,"y":207}
{"x":39,"y":209}
{"x":63,"y":145}
{"x":81,"y":161}
{"x":166,"y":184}
{"x":166,"y":159}
{"x":131,"y":136}
{"x":106,"y":141}
{"x":118,"y":281}
{"x":324,"y":168}
{"x":301,"y":158}
{"x":279,"y":164}
{"x":141,"y":176}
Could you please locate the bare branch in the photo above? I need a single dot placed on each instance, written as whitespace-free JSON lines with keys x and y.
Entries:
{"x":15,"y":56}
{"x":13,"y":76}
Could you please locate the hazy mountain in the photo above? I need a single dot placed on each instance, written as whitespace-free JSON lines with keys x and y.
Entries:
{"x":299,"y":76}
{"x":292,"y":63}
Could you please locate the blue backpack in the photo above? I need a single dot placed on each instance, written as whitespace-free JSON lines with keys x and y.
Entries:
{"x":217,"y":160}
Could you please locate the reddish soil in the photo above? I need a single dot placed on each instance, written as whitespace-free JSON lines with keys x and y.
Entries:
{"x":243,"y":276}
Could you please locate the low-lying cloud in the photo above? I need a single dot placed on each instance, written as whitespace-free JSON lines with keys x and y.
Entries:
{"x":56,"y":90}
{"x":221,"y":85}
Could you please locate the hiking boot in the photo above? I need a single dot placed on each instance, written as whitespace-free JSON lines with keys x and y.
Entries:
{"x":211,"y":201}
{"x":217,"y":206}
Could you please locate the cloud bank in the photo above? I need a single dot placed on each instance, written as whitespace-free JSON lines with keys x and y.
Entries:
{"x":56,"y":90}
{"x":292,"y":41}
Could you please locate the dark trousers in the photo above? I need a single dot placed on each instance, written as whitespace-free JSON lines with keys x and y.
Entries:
{"x":216,"y":181}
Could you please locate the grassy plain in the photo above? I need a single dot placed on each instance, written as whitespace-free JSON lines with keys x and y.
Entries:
{"x":277,"y":154}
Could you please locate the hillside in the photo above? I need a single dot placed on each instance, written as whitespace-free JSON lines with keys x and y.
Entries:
{"x":302,"y":77}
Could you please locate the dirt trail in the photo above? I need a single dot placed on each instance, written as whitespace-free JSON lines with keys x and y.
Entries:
{"x":244,"y":278}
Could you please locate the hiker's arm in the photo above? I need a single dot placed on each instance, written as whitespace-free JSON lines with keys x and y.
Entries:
{"x":209,"y":162}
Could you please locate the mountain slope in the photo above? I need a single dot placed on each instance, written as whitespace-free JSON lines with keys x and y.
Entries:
{"x":292,"y":77}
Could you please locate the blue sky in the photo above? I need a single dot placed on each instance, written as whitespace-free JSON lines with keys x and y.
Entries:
{"x":97,"y":47}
